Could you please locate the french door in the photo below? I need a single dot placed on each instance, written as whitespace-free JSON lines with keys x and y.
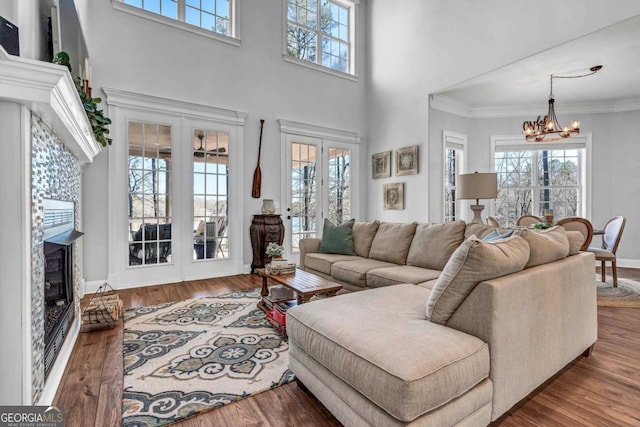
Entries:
{"x":174,"y":213}
{"x":319,"y":183}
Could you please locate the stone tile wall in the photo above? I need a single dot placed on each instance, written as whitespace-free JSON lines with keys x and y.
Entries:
{"x":55,"y":174}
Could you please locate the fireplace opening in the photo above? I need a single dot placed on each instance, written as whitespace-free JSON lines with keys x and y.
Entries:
{"x":59,"y":313}
{"x":58,"y":298}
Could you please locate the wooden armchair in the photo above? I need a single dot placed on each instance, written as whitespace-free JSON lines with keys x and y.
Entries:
{"x":583,"y":225}
{"x":607,"y":252}
{"x":526,"y":220}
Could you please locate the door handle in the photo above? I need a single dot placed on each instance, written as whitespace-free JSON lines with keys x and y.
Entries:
{"x":288,"y":216}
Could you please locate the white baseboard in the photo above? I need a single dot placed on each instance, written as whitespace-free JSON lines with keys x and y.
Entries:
{"x":57,"y":370}
{"x":628,"y":263}
{"x":92,"y":286}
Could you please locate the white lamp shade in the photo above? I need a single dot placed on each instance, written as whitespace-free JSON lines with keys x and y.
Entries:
{"x":478,"y":185}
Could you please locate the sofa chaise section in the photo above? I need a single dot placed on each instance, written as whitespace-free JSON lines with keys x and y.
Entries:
{"x":386,"y":357}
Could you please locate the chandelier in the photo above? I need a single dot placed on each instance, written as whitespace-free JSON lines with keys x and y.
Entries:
{"x":548,"y":128}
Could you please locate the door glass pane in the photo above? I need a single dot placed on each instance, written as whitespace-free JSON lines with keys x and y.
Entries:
{"x":303,"y":192}
{"x":450,"y":184}
{"x":149,"y":193}
{"x":339,"y":209}
{"x":210,"y":194}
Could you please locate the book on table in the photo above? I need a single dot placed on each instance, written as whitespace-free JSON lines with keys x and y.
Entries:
{"x":283,"y":306}
{"x":277,"y":294}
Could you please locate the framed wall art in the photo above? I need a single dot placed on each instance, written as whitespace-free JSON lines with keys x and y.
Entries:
{"x":381,"y":164}
{"x":407,"y":161}
{"x":393,"y":195}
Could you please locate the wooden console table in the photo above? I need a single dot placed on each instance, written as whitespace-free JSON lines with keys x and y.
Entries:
{"x":264,"y":230}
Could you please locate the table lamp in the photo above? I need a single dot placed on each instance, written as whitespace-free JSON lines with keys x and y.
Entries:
{"x":478,"y":186}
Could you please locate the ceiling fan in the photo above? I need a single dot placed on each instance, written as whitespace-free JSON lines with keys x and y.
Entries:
{"x":200,"y":152}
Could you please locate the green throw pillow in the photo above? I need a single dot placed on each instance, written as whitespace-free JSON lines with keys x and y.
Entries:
{"x":337,"y":239}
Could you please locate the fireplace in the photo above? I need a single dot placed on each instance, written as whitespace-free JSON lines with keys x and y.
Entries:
{"x":59,"y":237}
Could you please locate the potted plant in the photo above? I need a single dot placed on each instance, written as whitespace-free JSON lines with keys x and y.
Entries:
{"x":97,"y":119}
{"x":274,"y":250}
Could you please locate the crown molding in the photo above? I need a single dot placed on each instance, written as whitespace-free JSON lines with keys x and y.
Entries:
{"x":48,"y":90}
{"x":171,"y":107}
{"x":315,"y":131}
{"x":454,"y":106}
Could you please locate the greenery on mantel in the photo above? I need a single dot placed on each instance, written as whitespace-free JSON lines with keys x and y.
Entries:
{"x":96,"y":116}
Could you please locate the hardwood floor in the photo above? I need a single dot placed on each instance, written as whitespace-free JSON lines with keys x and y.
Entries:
{"x":601,"y":390}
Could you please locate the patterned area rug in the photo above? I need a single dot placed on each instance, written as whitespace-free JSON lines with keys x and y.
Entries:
{"x":184,"y":358}
{"x":627,"y":294}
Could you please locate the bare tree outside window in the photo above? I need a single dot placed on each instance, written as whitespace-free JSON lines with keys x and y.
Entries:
{"x":318,"y":32}
{"x":339,"y":185}
{"x":531,"y":181}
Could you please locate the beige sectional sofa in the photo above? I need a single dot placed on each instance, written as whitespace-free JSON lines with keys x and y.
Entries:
{"x":451,"y":330}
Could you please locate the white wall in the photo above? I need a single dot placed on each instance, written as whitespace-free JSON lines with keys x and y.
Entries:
{"x":424,"y":46}
{"x":7,"y":11}
{"x":12,"y":265}
{"x":615,"y":164}
{"x":139,"y":55}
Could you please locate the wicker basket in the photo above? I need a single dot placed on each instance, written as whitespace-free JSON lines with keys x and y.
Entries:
{"x":103,"y":310}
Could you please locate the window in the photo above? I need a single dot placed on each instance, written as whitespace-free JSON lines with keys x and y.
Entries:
{"x":149,"y":191}
{"x":210,"y":194}
{"x":320,"y":32}
{"x":339,"y":185}
{"x":211,"y":15}
{"x":536,"y":177}
{"x":454,"y":151}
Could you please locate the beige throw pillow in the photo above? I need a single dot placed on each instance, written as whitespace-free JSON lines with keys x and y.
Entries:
{"x":392,"y":242}
{"x":473,"y":262}
{"x":433,"y":245}
{"x":546,"y":246}
{"x":576,"y":239}
{"x":363,"y":234}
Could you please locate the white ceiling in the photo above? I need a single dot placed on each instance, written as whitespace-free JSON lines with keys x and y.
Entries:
{"x":522,"y":88}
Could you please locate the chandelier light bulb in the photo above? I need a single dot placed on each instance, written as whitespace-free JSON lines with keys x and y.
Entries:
{"x":575,"y":124}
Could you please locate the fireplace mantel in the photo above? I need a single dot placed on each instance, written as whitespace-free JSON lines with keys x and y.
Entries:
{"x":49,"y":91}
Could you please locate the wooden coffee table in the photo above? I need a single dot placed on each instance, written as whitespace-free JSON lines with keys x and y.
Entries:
{"x":304,"y":284}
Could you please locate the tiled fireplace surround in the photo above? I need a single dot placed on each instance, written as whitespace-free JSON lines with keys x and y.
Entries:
{"x":55,"y":174}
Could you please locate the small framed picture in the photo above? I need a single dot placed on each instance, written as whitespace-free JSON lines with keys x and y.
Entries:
{"x":407,"y":161}
{"x":381,"y":164}
{"x":394,"y":195}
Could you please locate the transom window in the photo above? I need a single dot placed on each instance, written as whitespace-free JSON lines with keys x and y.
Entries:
{"x":533,"y":180}
{"x":319,"y":31}
{"x":212,"y":15}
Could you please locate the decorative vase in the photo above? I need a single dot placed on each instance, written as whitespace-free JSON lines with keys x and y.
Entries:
{"x":268,"y":207}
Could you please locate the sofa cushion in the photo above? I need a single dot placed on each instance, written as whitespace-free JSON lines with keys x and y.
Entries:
{"x":473,"y":262}
{"x":363,"y":234}
{"x":378,"y":342}
{"x":392,"y":242}
{"x":576,"y":240}
{"x":546,"y":246}
{"x":322,"y":262}
{"x":388,"y":276}
{"x":433,"y":245}
{"x":337,"y":239}
{"x":355,"y":272}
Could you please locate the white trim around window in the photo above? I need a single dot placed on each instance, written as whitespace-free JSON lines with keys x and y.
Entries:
{"x":235,"y":22}
{"x":352,"y":74}
{"x":183,"y":117}
{"x":457,"y":142}
{"x":518,"y":143}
